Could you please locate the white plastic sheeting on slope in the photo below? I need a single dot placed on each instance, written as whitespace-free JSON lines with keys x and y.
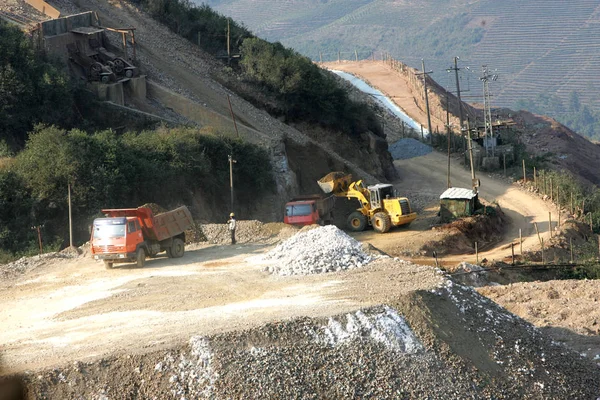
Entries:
{"x":382,"y":99}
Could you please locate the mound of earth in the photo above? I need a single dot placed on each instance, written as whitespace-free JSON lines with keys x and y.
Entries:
{"x":248,"y":231}
{"x":461,"y":235}
{"x":450,"y":342}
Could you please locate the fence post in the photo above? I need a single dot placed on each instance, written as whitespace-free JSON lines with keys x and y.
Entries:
{"x":524,"y":175}
{"x":476,"y":254}
{"x":571,"y":209}
{"x":521,"y":241}
{"x":512,"y":249}
{"x":571,"y":248}
{"x":538,"y":232}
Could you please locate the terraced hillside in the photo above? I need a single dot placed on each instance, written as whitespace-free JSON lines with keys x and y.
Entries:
{"x":539,"y":46}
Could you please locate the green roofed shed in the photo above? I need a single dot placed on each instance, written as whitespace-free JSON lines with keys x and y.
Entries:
{"x":457,"y":203}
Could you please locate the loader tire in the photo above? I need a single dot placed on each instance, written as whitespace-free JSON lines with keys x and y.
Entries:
{"x":177,"y":248}
{"x":140,"y":258}
{"x":357,"y":222}
{"x":108,"y":264}
{"x":381,"y":222}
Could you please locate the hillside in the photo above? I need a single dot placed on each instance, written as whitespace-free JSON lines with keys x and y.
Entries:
{"x":537,"y":47}
{"x":288,"y":312}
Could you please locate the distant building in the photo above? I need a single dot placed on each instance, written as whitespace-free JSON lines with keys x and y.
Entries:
{"x":457,"y":203}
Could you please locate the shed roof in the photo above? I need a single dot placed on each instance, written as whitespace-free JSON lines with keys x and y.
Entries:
{"x":458,"y":193}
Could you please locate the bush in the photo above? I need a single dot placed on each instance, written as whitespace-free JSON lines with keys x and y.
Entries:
{"x":167,"y":166}
{"x":32,"y":89}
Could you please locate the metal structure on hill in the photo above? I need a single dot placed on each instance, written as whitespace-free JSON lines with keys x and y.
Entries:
{"x":489,"y":140}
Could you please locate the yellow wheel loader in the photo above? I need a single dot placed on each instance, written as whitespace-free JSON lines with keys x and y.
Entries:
{"x":379,"y":205}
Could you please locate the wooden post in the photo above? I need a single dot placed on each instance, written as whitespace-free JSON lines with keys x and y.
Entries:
{"x":550,"y":223}
{"x":476,"y":254}
{"x":524,"y":175}
{"x":339,"y":56}
{"x":436,"y":259}
{"x":571,"y":248}
{"x":558,"y":195}
{"x":521,"y":242}
{"x":355,"y":55}
{"x":543,"y":258}
{"x":551,"y":191}
{"x":571,"y":209}
{"x":538,"y":232}
{"x":591,"y":223}
{"x":534,"y":179}
{"x":558,"y":219}
{"x":512,"y":249}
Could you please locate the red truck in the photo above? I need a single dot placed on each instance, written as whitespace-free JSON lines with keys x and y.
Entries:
{"x":308,"y":210}
{"x":131,"y":234}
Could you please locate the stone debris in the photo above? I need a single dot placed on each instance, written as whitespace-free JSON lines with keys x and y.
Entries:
{"x":247,"y":231}
{"x":316,"y":251}
{"x":407,"y":148}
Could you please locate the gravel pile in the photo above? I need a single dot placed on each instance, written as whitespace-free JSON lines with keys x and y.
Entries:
{"x":25,"y":264}
{"x":316,"y":251}
{"x":407,"y":148}
{"x":449,"y":343}
{"x":247,"y":231}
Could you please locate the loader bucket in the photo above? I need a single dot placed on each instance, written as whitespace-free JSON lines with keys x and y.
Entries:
{"x":335,"y":182}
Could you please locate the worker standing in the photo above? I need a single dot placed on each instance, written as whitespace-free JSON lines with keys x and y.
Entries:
{"x":232,"y":224}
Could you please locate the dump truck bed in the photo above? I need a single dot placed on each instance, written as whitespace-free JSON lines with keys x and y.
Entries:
{"x":157,"y":227}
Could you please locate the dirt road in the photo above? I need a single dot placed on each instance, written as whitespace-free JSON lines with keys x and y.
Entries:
{"x":424,"y":178}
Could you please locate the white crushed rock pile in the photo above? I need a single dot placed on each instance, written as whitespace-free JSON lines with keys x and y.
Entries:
{"x":315,"y":251}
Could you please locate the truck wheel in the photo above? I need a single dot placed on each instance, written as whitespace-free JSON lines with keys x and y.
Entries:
{"x":140,"y":258}
{"x":108,"y":264}
{"x":177,"y":248}
{"x":357,"y":221}
{"x":381,"y":222}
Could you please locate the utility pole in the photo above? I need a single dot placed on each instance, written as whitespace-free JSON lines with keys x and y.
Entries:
{"x":470,"y":144}
{"x":231,"y":162}
{"x":448,"y":137}
{"x":424,"y":74}
{"x":70,"y":218}
{"x":228,"y":47}
{"x":39,"y":234}
{"x":490,"y":143}
{"x":460,"y":112}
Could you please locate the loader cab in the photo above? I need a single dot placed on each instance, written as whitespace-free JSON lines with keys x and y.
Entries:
{"x":380,"y":192}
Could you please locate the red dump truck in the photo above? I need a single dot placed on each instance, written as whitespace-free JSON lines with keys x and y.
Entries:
{"x":308,"y":210}
{"x":132,"y":234}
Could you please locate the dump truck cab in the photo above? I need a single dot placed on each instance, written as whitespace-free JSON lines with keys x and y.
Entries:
{"x":308,"y":210}
{"x":120,"y":236}
{"x":131,"y":234}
